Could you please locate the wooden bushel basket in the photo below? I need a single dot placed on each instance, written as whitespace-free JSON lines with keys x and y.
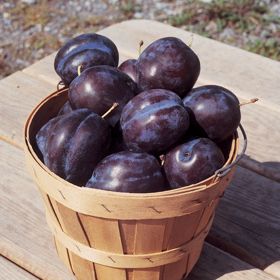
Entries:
{"x":102,"y":235}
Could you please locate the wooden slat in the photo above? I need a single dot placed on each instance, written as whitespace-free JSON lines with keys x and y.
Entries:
{"x":127,"y":231}
{"x":70,"y":224}
{"x":183,"y":229}
{"x":248,"y":74}
{"x":19,"y":94}
{"x":44,"y":70}
{"x":205,"y":218}
{"x":10,"y":271}
{"x":215,"y":264}
{"x":149,"y":237}
{"x":63,"y":253}
{"x":247,"y":222}
{"x":104,"y":236}
{"x":25,"y":237}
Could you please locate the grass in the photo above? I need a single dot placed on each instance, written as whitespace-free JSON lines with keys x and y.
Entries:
{"x":42,"y":40}
{"x":127,"y":7}
{"x":244,"y":17}
{"x":247,"y":20}
{"x":31,"y":15}
{"x":269,"y":48}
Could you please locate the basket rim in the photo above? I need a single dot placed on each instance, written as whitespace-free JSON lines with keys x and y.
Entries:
{"x":28,"y":148}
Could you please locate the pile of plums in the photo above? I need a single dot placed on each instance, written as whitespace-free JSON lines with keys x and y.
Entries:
{"x":140,"y":127}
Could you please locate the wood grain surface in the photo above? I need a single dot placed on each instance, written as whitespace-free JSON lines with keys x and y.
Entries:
{"x":247,"y":221}
{"x":10,"y":271}
{"x":207,"y":268}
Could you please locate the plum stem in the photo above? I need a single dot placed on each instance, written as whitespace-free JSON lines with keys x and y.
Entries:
{"x":253,"y":100}
{"x":141,"y":43}
{"x":79,"y":69}
{"x":110,"y":110}
{"x":191,"y":42}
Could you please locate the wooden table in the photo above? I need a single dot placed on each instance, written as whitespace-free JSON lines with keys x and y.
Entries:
{"x":244,"y":243}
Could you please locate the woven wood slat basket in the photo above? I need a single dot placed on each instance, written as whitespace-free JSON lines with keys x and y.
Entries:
{"x":102,"y":235}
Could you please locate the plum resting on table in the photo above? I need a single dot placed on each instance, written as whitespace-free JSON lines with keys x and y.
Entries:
{"x":153,"y":120}
{"x":192,"y":162}
{"x":214,"y":110}
{"x":98,"y":88}
{"x":128,"y":172}
{"x":168,"y":63}
{"x":85,"y":50}
{"x":72,"y":144}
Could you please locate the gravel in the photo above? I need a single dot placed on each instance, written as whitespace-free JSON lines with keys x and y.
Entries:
{"x":32,"y":29}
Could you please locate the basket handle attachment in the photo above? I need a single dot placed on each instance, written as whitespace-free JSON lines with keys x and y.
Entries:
{"x":226,"y":169}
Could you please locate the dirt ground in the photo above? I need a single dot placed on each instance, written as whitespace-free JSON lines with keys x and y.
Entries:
{"x":32,"y":29}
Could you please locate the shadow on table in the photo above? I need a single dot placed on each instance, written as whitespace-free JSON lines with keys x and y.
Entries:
{"x":269,"y":169}
{"x":215,"y":263}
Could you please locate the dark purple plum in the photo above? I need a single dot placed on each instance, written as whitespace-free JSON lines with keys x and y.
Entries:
{"x":130,"y":68}
{"x":72,"y":144}
{"x":85,"y":50}
{"x":214,"y":110}
{"x":65,"y":109}
{"x":168,"y":63}
{"x":97,"y":88}
{"x":192,"y":162}
{"x":128,"y":172}
{"x":153,"y":120}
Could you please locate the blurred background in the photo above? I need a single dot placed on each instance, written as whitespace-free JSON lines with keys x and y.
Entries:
{"x":32,"y":29}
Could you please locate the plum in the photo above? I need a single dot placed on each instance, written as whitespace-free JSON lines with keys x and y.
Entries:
{"x":65,"y":109}
{"x":153,"y":120}
{"x":85,"y":50}
{"x":168,"y":63}
{"x":72,"y":144}
{"x":98,"y":88}
{"x":128,"y":172}
{"x":192,"y":162}
{"x":214,"y":110}
{"x":130,"y":67}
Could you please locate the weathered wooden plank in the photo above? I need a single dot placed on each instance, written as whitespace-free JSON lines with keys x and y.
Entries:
{"x":247,"y":222}
{"x":19,"y":94}
{"x":247,"y":74}
{"x":10,"y":271}
{"x":44,"y":70}
{"x":25,"y":237}
{"x":208,"y":267}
